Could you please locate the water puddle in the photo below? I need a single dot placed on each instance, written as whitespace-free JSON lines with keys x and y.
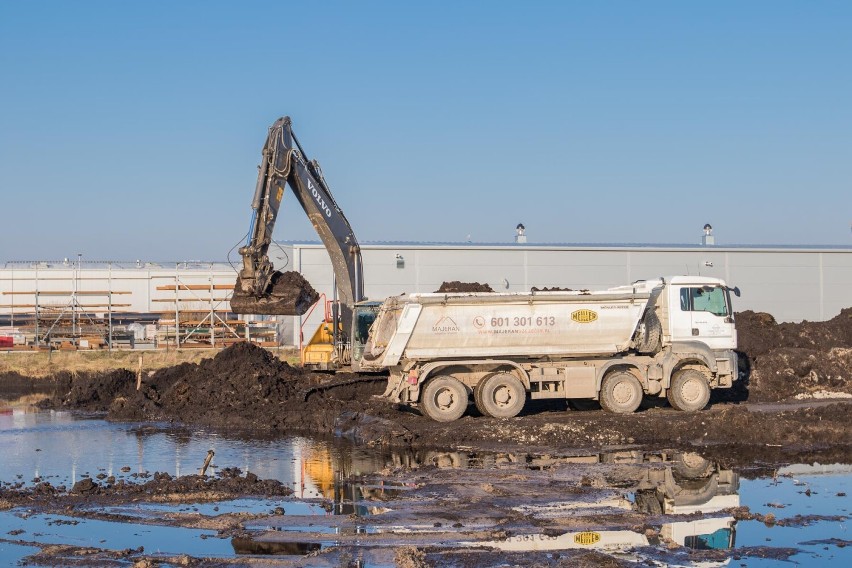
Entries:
{"x":683,"y":497}
{"x":285,"y":506}
{"x":820,"y":491}
{"x":77,"y":531}
{"x":12,"y":554}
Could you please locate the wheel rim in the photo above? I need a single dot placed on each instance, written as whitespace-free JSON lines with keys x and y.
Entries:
{"x":623,"y":393}
{"x":691,"y":391}
{"x":445,"y":399}
{"x":503,"y":396}
{"x":693,"y":460}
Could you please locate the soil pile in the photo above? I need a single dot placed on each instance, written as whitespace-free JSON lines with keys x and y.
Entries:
{"x":787,"y":360}
{"x":289,"y":294}
{"x":455,"y":287}
{"x":242,"y":387}
{"x":551,"y":289}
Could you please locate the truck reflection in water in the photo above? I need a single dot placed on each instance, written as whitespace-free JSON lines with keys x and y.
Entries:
{"x":670,"y":485}
{"x":685,"y":484}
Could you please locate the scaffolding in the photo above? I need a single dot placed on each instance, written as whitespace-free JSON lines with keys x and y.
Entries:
{"x":59,"y":304}
{"x":198,"y":315}
{"x":59,"y":318}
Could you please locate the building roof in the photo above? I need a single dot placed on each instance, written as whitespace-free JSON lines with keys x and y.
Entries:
{"x":585,"y":246}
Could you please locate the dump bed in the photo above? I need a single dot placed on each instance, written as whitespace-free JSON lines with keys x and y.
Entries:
{"x":483,"y":325}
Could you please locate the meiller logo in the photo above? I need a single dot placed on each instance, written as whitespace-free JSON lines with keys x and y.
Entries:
{"x":584,"y":316}
{"x":320,"y":201}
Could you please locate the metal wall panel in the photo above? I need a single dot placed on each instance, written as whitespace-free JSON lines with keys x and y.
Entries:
{"x":791,"y":284}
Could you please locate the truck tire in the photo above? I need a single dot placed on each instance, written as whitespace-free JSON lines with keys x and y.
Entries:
{"x":689,"y":390}
{"x":477,"y":398}
{"x":502,"y":395}
{"x":444,"y":399}
{"x":621,"y":392}
{"x":649,"y":341}
{"x":689,"y":465}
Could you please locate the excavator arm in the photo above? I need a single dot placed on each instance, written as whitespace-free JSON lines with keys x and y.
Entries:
{"x":262,"y":290}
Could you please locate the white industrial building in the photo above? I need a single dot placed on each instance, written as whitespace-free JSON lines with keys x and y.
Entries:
{"x":792,"y":283}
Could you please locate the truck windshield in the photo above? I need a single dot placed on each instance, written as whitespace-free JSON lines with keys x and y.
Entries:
{"x":705,"y":299}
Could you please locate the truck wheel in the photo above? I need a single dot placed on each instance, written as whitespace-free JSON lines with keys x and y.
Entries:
{"x":650,"y":340}
{"x":477,"y":398}
{"x":502,"y":395}
{"x":444,"y":399}
{"x":689,"y":465}
{"x":621,"y":393}
{"x":689,"y":390}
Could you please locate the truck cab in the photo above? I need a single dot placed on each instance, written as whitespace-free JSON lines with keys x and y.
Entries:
{"x":700,"y":309}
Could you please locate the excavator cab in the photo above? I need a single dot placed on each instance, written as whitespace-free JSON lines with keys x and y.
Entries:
{"x":327,"y":350}
{"x":363,"y":318}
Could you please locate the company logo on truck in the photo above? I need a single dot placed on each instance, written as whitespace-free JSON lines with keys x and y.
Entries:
{"x":588,"y":537}
{"x":584,"y":316}
{"x":320,"y":201}
{"x":445,"y":325}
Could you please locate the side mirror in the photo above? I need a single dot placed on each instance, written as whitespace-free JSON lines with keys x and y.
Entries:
{"x":736,"y":291}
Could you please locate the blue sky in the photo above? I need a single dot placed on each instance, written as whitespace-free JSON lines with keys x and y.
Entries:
{"x":133,"y":130}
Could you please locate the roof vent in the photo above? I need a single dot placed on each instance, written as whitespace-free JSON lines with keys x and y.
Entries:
{"x":520,"y":234}
{"x":707,"y":238}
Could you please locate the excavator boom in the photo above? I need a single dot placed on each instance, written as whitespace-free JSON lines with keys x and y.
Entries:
{"x":262,"y":290}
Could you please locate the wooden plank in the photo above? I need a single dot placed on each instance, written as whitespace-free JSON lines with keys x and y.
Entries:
{"x":173,"y":300}
{"x":172,"y":312}
{"x":68,"y":293}
{"x":206,"y":323}
{"x":64,"y":306}
{"x":197,"y":287}
{"x":200,"y":323}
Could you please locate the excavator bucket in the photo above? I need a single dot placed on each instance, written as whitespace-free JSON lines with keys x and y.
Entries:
{"x":288,"y":294}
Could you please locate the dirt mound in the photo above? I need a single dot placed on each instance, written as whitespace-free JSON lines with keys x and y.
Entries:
{"x":787,"y":360}
{"x":551,"y":289}
{"x":289,"y":294}
{"x":242,"y":387}
{"x":94,"y":392}
{"x":456,"y":287}
{"x":758,"y":332}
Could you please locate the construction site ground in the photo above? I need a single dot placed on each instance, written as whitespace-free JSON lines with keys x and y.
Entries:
{"x":790,"y":406}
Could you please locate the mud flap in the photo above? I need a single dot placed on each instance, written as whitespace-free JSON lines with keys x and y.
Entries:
{"x":396,"y":384}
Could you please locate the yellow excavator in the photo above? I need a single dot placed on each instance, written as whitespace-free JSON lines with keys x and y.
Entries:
{"x":260,"y":289}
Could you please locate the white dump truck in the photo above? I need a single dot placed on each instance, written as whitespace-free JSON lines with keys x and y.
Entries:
{"x":670,"y":337}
